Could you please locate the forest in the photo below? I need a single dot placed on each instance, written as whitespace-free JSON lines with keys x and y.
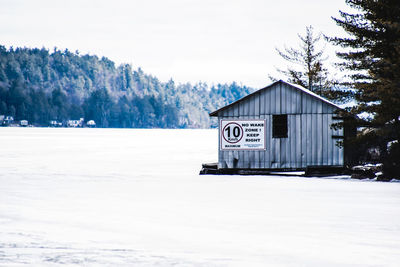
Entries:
{"x":42,"y":86}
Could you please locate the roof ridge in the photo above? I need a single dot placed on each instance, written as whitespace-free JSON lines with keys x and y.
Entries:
{"x":299,"y":87}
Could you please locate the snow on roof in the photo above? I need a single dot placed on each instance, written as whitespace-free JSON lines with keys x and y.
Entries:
{"x":311,"y":93}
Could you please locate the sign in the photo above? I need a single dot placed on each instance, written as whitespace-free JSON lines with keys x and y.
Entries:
{"x":242,"y":134}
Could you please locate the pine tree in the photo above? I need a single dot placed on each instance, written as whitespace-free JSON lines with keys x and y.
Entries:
{"x":372,"y":57}
{"x":307,"y":68}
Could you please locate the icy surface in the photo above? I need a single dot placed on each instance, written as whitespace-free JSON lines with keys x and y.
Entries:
{"x":105,"y":197}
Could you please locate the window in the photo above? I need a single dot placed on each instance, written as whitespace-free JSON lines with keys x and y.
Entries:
{"x":279,"y":126}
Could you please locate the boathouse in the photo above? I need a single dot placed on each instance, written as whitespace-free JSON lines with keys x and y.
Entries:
{"x":282,"y":126}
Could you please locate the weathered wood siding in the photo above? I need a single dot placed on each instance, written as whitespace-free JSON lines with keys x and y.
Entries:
{"x":309,"y":141}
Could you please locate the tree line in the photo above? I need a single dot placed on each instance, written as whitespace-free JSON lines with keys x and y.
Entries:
{"x":39,"y":86}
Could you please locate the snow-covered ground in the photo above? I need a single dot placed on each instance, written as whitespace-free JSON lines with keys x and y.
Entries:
{"x":107,"y":197}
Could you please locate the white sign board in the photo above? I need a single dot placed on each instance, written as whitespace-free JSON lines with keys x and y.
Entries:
{"x":242,"y":134}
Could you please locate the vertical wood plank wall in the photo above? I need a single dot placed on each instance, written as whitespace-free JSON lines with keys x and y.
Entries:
{"x":309,"y":141}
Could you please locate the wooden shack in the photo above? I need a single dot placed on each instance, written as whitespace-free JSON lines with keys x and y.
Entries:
{"x":280,"y":127}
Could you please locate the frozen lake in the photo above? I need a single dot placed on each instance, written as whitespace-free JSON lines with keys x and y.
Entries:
{"x":114,"y":197}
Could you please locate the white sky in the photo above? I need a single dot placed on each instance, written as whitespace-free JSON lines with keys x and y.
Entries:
{"x":188,"y":40}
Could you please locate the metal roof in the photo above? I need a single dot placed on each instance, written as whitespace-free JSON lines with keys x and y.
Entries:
{"x":298,"y":87}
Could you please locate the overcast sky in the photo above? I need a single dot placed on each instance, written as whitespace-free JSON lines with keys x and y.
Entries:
{"x":213,"y":41}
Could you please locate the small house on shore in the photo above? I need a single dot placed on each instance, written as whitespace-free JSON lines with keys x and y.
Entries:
{"x":23,"y":123}
{"x":91,"y":124}
{"x":280,"y":127}
{"x":75,"y":123}
{"x":6,"y":120}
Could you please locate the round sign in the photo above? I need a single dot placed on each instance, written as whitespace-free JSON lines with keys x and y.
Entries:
{"x":232,"y":132}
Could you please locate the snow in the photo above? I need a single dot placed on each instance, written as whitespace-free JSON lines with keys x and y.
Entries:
{"x":305,"y":90}
{"x":113,"y":197}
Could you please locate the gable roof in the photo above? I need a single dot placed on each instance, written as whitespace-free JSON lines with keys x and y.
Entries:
{"x":297,"y":87}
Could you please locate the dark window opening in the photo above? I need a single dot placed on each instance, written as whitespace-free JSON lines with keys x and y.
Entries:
{"x":279,"y":126}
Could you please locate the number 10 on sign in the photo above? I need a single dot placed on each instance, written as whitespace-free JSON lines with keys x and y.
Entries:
{"x":242,"y":134}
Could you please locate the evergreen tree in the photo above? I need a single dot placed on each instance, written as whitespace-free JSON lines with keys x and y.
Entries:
{"x":98,"y":107}
{"x":41,"y":110}
{"x":312,"y":74}
{"x":372,"y":57}
{"x":307,"y":67}
{"x":3,"y":107}
{"x":11,"y":111}
{"x":59,"y":101}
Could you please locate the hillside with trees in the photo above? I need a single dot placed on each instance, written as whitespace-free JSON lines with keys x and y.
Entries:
{"x":39,"y":86}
